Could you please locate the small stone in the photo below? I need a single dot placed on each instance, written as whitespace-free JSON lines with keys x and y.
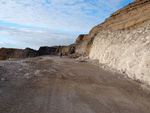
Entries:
{"x":27,"y":75}
{"x":3,"y":79}
{"x":37,"y":72}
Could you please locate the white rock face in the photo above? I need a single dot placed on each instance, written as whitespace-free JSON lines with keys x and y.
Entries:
{"x":126,"y":51}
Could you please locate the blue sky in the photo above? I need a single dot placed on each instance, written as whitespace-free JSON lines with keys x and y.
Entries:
{"x":35,"y":23}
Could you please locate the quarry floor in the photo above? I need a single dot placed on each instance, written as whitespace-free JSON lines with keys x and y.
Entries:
{"x":62,"y":85}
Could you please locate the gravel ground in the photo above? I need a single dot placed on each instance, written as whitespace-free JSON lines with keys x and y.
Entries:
{"x":62,"y":85}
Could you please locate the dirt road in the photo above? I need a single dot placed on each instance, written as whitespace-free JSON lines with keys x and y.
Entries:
{"x":54,"y":85}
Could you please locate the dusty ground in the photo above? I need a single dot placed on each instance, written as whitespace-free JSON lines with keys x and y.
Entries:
{"x":54,"y":85}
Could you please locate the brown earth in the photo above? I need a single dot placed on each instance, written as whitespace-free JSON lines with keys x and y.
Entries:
{"x":54,"y":85}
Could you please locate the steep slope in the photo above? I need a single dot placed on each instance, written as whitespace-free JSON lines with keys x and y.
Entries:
{"x":122,"y":42}
{"x":126,"y":51}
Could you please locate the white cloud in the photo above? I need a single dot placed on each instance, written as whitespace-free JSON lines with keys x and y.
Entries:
{"x":67,"y":15}
{"x":22,"y":37}
{"x":1,"y":43}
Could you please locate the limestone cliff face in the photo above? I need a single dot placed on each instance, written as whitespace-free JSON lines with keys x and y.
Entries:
{"x":126,"y":51}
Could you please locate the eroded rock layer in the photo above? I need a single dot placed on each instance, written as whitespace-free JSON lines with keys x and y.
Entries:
{"x":130,"y":17}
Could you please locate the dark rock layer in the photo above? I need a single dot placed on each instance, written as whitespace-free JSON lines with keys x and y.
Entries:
{"x":6,"y":53}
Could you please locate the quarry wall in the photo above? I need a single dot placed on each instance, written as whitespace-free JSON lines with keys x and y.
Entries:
{"x":126,"y":51}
